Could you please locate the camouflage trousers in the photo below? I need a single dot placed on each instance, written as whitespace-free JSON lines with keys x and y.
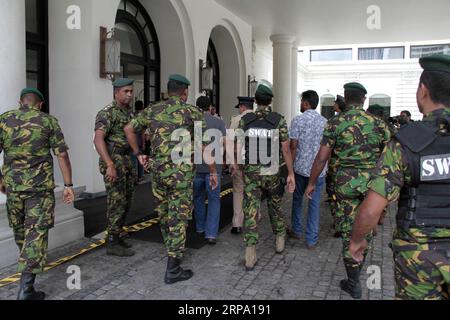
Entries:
{"x":174,"y":203}
{"x":351,"y":188}
{"x":255,"y":186}
{"x":119,"y":193}
{"x":422,"y":275}
{"x":31,"y":216}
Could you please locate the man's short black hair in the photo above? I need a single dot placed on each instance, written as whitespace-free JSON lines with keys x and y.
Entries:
{"x":438,"y":83}
{"x":408,"y":114}
{"x":354,"y":97}
{"x":340,"y":103}
{"x":312,"y":98}
{"x":263,"y":99}
{"x":204,"y":103}
{"x":176,"y":87}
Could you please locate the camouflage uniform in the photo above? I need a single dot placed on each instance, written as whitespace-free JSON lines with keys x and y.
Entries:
{"x":173,"y":183}
{"x":112,"y":120}
{"x":257,"y":184}
{"x":421,"y":270}
{"x":27,"y":137}
{"x":357,"y":140}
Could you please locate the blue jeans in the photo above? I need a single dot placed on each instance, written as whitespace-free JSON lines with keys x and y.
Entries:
{"x":206,"y":221}
{"x":312,"y":230}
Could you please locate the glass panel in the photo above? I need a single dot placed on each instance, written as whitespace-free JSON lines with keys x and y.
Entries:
{"x":148,"y":34}
{"x":32,"y":80}
{"x":141,"y":20}
{"x":31,"y":16}
{"x":136,"y":72}
{"x":331,"y":55}
{"x":381,"y":53}
{"x":152,"y":95}
{"x":32,"y":60}
{"x":122,"y":5}
{"x":131,"y":8}
{"x":423,"y":51}
{"x":129,"y":40}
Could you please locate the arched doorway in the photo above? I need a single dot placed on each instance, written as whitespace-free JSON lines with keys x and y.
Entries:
{"x":327,"y":106}
{"x":140,"y":53}
{"x":383,"y":100}
{"x":230,"y":68}
{"x":212,"y":61}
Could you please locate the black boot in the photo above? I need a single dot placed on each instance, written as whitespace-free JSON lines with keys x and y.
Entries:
{"x":124,"y":243}
{"x":26,"y":290}
{"x":352,"y":286}
{"x":114,"y":248}
{"x":175,"y":273}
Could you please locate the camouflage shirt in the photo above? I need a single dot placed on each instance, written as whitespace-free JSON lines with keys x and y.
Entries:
{"x":391,"y":176}
{"x":283,"y":131}
{"x":27,"y":137}
{"x":162,"y":122}
{"x":112,"y":120}
{"x":357,"y":138}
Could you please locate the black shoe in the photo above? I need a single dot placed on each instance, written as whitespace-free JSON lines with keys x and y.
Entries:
{"x":175,"y":273}
{"x":352,"y":286}
{"x":125,"y":244}
{"x":236,"y":231}
{"x":114,"y":248}
{"x":211,"y":242}
{"x":27,"y":291}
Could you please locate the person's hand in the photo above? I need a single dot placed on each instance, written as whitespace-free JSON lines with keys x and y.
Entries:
{"x":2,"y":187}
{"x":291,"y":183}
{"x":357,"y":250}
{"x":214,"y":181}
{"x":68,"y":195}
{"x":111,"y":173}
{"x":310,"y":191}
{"x":143,"y":160}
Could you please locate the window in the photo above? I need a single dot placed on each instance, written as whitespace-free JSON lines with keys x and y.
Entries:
{"x":381,"y":53}
{"x":140,"y":55}
{"x":36,"y":13}
{"x":418,"y":52}
{"x":331,"y":55}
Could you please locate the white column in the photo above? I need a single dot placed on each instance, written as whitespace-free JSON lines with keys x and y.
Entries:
{"x":294,"y":105}
{"x":12,"y":53}
{"x":282,"y":74}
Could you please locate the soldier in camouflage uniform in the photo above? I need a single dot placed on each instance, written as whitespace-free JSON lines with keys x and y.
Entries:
{"x":27,"y":137}
{"x":356,"y":139}
{"x":339,"y":107}
{"x":421,"y":251}
{"x":167,"y":123}
{"x":116,"y":165}
{"x":258,"y":180}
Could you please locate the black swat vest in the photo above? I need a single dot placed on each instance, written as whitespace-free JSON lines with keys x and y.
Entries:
{"x":259,"y":132}
{"x":426,"y":202}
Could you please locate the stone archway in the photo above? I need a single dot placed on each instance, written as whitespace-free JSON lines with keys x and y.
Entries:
{"x":232,"y":67}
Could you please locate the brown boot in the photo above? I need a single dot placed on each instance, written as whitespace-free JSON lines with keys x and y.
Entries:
{"x":250,"y":258}
{"x":281,"y":244}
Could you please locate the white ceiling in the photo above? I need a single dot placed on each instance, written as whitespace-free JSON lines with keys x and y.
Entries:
{"x":332,"y":22}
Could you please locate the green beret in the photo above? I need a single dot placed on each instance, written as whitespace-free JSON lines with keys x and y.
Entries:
{"x":263,"y":89}
{"x":120,"y":83}
{"x":34,"y":91}
{"x":180,"y":78}
{"x":355,"y":86}
{"x":247,"y":101}
{"x":439,"y":62}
